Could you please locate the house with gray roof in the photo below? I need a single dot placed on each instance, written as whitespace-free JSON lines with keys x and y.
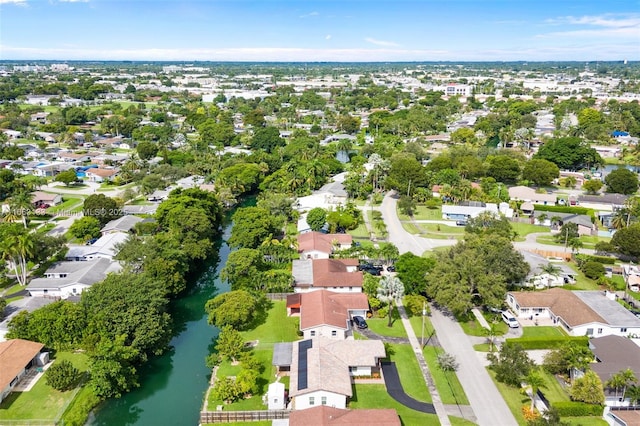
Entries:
{"x":106,"y":247}
{"x":614,"y":354}
{"x":121,"y":224}
{"x":65,"y":279}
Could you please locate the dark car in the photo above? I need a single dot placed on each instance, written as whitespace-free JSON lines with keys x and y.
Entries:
{"x":372,"y":270}
{"x":391,"y":268}
{"x":91,"y":241}
{"x":360,"y":322}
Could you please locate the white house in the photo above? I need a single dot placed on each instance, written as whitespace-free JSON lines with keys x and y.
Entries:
{"x":65,"y":279}
{"x":579,"y":313}
{"x":321,"y":370}
{"x":101,"y":175}
{"x":327,"y":314}
{"x":104,"y":247}
{"x":339,"y":275}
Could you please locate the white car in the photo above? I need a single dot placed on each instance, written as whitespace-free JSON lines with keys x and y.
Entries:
{"x":510,"y":319}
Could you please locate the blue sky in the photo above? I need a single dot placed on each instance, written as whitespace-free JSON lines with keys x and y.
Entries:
{"x":325,"y":30}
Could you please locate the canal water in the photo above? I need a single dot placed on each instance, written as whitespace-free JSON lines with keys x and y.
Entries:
{"x":172,"y":386}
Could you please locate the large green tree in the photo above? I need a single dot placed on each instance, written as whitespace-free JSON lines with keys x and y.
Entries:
{"x":406,"y":173}
{"x":252,"y":226}
{"x":412,"y":271}
{"x":237,"y":309}
{"x":622,"y":181}
{"x":85,"y":228}
{"x":569,"y":153}
{"x":102,"y":208}
{"x":540,"y":171}
{"x":588,"y":388}
{"x":625,"y":240}
{"x":316,"y":218}
{"x":512,"y":364}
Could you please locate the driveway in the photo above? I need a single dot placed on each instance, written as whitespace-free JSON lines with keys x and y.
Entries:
{"x":395,"y":390}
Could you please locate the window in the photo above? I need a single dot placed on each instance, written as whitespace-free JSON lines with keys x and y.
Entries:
{"x":74,"y":290}
{"x":589,"y":331}
{"x":334,"y":333}
{"x":623,"y":330}
{"x":312,"y":400}
{"x":312,"y":333}
{"x":323,"y":400}
{"x":599,"y":331}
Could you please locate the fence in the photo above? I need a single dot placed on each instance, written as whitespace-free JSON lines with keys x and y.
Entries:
{"x":277,"y":296}
{"x":241,"y":416}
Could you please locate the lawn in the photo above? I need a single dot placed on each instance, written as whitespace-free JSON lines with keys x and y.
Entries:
{"x":69,"y":204}
{"x":514,"y":399}
{"x":552,"y":390}
{"x":360,"y":233}
{"x":423,"y":213}
{"x":447,"y":383}
{"x":410,"y":228}
{"x":278,"y":327}
{"x":42,"y":402}
{"x":409,"y":372}
{"x":416,"y":323}
{"x":255,"y":402}
{"x":541,"y":331}
{"x":472,"y":327}
{"x":376,"y":396}
{"x":379,"y":326}
{"x":588,"y":241}
{"x":524,"y":229}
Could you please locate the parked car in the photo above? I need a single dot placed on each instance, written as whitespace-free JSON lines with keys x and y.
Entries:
{"x":510,"y":319}
{"x":91,"y":241}
{"x":360,"y":322}
{"x":373,"y":271}
{"x":391,"y":268}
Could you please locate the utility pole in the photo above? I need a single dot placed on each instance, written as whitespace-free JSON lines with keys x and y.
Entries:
{"x":424,"y":313}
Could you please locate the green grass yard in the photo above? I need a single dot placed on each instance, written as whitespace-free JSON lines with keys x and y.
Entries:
{"x":423,"y":213}
{"x":376,"y":396}
{"x":278,"y":327}
{"x":542,"y":331}
{"x":410,"y":373}
{"x":42,"y":402}
{"x":447,"y":383}
{"x":70,"y":204}
{"x":379,"y":326}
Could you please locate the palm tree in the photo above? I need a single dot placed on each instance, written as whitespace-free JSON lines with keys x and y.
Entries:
{"x":634,"y":395}
{"x":491,"y":334}
{"x":390,"y":290}
{"x":575,"y":245}
{"x":535,"y":381}
{"x":616,"y":382}
{"x":21,"y":204}
{"x":550,"y":269}
{"x":542,"y":217}
{"x":619,"y":220}
{"x":16,"y":249}
{"x":628,"y":378}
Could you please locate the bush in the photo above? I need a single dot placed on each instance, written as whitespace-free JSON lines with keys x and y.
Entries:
{"x":529,"y":343}
{"x":593,"y":270}
{"x":62,"y":376}
{"x":413,"y":304}
{"x":584,"y":258}
{"x":382,"y":312}
{"x":562,"y":209}
{"x":577,"y":409}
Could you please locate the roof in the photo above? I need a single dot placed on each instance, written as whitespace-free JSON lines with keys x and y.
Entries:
{"x":313,"y":240}
{"x":629,"y":417}
{"x":614,"y":353}
{"x":123,"y":224}
{"x":354,"y":352}
{"x":612,"y":312}
{"x":86,"y":273}
{"x":327,"y":273}
{"x":322,"y":307}
{"x":282,"y":354}
{"x":324,"y":415}
{"x":563,"y":303}
{"x":43,"y":196}
{"x":15,"y":354}
{"x":313,"y":371}
{"x":616,"y":199}
{"x":102,"y":172}
{"x":105,"y":245}
{"x":529,"y":194}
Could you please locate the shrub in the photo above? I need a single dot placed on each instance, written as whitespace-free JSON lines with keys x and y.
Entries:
{"x":584,"y":258}
{"x":593,"y":270}
{"x":382,"y":312}
{"x":577,"y":409}
{"x":562,"y":209}
{"x":447,"y":362}
{"x":413,"y":304}
{"x":62,"y":376}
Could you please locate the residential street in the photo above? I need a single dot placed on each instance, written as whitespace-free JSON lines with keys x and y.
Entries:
{"x":487,"y":403}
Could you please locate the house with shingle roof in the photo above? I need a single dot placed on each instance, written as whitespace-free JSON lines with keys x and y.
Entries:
{"x":322,"y":370}
{"x":327,"y":314}
{"x":579,"y":313}
{"x":101,"y":175}
{"x":339,"y":275}
{"x":16,"y":357}
{"x":316,"y":245}
{"x":324,"y":415}
{"x":614,"y":354}
{"x":66,"y":279}
{"x":121,"y":224}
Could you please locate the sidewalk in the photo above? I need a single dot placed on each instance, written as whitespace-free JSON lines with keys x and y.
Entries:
{"x":488,"y":405}
{"x":441,"y":410}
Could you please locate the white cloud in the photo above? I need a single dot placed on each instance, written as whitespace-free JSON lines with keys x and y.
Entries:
{"x":328,"y":37}
{"x":16,"y":2}
{"x":73,"y":1}
{"x":602,"y":26}
{"x":380,"y":42}
{"x":310,"y":14}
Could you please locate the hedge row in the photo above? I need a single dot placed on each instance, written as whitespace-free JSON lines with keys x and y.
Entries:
{"x":529,"y":343}
{"x":577,"y":409}
{"x":605,"y":260}
{"x":562,"y":209}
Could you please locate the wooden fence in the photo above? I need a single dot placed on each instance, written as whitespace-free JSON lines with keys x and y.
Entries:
{"x":277,"y":296}
{"x":241,"y":416}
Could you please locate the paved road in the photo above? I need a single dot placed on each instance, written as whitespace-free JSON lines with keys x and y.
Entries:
{"x":487,"y":403}
{"x":530,"y":244}
{"x":394,"y":388}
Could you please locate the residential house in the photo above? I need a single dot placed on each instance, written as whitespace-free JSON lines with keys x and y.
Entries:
{"x":17,"y":356}
{"x":330,"y":196}
{"x":340,"y":275}
{"x":72,"y":157}
{"x":579,"y":313}
{"x":540,"y":279}
{"x":105,"y":247}
{"x":65,"y":279}
{"x":327,"y":314}
{"x":614,"y":354}
{"x":631,"y":274}
{"x":473,"y":209}
{"x":584,"y":222}
{"x":531,"y":196}
{"x":316,"y":245}
{"x":322,"y":370}
{"x":324,"y":415}
{"x":39,"y":197}
{"x":101,"y":175}
{"x":621,"y":416}
{"x":604,"y":202}
{"x":121,"y":224}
